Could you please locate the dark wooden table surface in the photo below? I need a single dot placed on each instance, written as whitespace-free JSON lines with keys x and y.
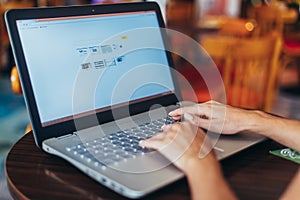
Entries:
{"x":33,"y":174}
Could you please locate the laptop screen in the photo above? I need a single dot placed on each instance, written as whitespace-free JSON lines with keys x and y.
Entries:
{"x":79,"y":65}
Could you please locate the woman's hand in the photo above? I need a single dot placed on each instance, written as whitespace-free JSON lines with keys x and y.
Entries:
{"x":215,"y":117}
{"x":183,"y":144}
{"x":189,"y":148}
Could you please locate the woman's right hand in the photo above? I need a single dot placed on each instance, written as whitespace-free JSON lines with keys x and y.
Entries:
{"x":215,"y":117}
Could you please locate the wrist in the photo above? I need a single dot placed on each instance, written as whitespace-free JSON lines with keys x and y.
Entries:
{"x":203,"y":165}
{"x":259,"y":122}
{"x":252,"y":120}
{"x":204,"y":176}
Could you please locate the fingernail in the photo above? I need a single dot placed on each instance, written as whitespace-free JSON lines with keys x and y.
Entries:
{"x":172,"y":112}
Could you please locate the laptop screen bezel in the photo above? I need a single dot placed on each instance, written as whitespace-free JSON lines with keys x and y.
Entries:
{"x":44,"y":132}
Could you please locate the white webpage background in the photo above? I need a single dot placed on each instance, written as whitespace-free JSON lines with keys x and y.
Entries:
{"x":55,"y":61}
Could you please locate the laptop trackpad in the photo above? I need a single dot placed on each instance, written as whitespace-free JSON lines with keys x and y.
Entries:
{"x":146,"y":163}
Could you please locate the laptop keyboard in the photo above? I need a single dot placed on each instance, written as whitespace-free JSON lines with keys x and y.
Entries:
{"x":117,"y":147}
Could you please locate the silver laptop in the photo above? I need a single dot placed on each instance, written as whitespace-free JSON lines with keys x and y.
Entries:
{"x":97,"y":79}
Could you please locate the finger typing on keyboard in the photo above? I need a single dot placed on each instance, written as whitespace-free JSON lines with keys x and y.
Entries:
{"x":170,"y":120}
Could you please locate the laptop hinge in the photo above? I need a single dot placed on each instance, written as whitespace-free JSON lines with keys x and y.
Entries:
{"x":65,"y":136}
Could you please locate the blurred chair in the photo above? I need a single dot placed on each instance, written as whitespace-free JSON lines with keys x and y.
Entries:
{"x":249,"y":68}
{"x":268,"y":18}
{"x":237,"y":27}
{"x":275,"y":19}
{"x":226,"y":26}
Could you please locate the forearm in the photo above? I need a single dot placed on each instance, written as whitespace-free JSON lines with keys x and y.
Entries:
{"x":208,"y":183}
{"x":284,"y":131}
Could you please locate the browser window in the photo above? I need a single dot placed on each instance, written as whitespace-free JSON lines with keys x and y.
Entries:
{"x":123,"y":54}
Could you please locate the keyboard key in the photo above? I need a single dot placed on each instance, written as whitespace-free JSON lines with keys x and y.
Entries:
{"x":119,"y":146}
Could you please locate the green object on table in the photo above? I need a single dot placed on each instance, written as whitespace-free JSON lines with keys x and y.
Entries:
{"x":288,"y":154}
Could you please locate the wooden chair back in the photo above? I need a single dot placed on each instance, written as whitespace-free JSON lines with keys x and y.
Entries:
{"x":268,"y":18}
{"x":236,"y":27}
{"x":249,"y":68}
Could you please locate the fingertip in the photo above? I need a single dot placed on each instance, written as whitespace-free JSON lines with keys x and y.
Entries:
{"x":172,"y":113}
{"x":150,"y":143}
{"x":145,"y":144}
{"x":142,"y":143}
{"x":175,"y":112}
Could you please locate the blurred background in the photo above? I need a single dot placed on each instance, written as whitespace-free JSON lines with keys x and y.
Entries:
{"x":197,"y":18}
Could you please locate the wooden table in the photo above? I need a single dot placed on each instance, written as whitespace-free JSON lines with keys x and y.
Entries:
{"x":33,"y":174}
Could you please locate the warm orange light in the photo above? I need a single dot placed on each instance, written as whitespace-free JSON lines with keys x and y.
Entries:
{"x":249,"y":26}
{"x":15,"y":81}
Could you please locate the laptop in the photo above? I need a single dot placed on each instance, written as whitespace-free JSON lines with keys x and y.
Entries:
{"x":96,"y":80}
